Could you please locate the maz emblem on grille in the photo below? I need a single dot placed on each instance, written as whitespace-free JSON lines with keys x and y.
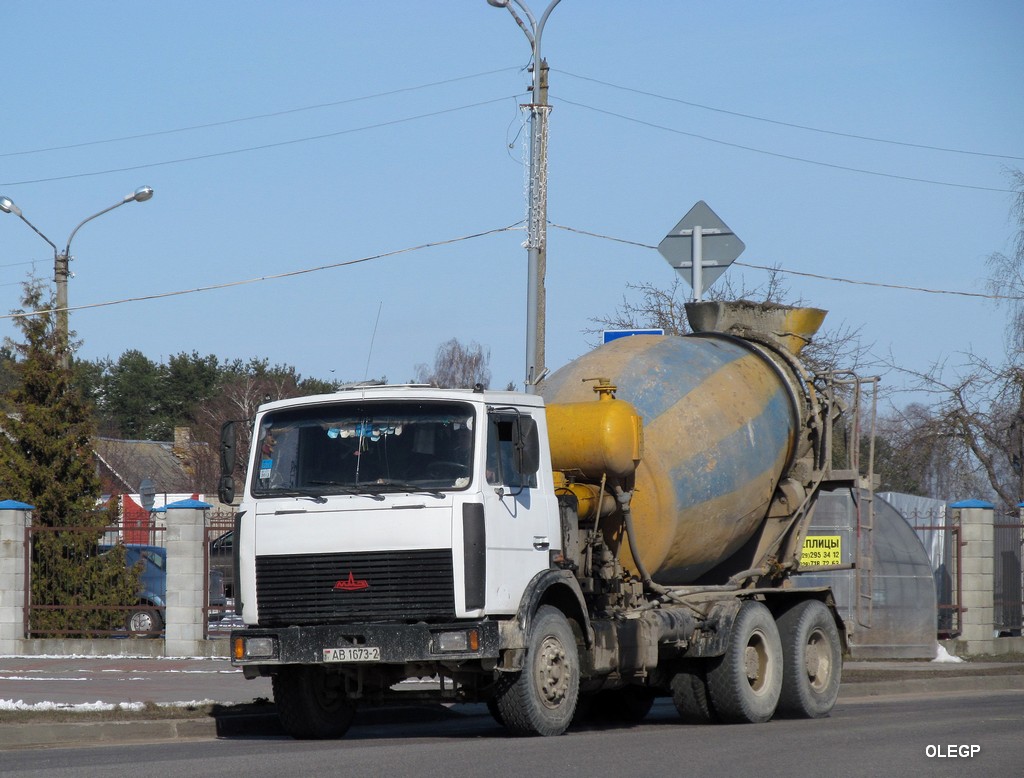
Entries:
{"x":352,"y":585}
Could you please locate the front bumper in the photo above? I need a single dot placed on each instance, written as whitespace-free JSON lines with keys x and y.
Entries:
{"x":398,"y":643}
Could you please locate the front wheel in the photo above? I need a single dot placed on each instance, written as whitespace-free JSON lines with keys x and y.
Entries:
{"x":312,"y":704}
{"x":541,"y":699}
{"x":813,"y":658}
{"x":144,"y":622}
{"x":745,"y":683}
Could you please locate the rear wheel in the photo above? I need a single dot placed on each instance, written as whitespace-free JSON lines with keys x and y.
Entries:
{"x":541,"y":699}
{"x":690,"y":695}
{"x":813,"y":657}
{"x":745,"y":683}
{"x":312,"y":704}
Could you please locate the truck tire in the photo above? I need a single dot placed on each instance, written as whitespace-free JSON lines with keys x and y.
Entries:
{"x":690,"y":696}
{"x":813,"y":661}
{"x":541,"y":699}
{"x":492,"y":708}
{"x":312,"y":704}
{"x":744,"y":684}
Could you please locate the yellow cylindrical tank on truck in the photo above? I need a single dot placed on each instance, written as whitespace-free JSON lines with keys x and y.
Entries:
{"x":727,"y":417}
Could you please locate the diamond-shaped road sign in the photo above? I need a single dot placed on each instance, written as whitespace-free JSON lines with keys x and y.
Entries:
{"x":716,"y":243}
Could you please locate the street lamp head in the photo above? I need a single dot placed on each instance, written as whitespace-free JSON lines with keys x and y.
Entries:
{"x":498,"y":3}
{"x":142,"y":194}
{"x":7,"y":206}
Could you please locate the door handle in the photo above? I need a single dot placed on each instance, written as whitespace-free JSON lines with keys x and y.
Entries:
{"x":541,"y":543}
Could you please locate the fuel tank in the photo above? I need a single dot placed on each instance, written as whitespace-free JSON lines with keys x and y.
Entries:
{"x":724,"y":419}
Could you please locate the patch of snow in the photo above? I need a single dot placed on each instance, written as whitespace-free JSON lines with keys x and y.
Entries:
{"x":941,"y":655}
{"x":94,"y":706}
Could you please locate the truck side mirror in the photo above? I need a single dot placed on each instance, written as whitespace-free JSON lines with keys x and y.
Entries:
{"x":227,"y":448}
{"x":228,"y":443}
{"x":526,"y":446}
{"x":226,"y":489}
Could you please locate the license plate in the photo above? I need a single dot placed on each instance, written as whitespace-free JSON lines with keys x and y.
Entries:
{"x":352,"y":654}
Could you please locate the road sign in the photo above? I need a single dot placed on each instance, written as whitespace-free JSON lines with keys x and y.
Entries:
{"x":147,"y":493}
{"x":700,"y":247}
{"x":610,"y":335}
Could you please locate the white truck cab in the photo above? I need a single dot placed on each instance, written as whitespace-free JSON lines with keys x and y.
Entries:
{"x":391,"y":525}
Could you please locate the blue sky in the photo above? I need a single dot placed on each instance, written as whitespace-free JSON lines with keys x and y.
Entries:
{"x":391,"y":125}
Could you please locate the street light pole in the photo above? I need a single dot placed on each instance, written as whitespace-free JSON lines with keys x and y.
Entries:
{"x":62,"y":258}
{"x":536,"y":242}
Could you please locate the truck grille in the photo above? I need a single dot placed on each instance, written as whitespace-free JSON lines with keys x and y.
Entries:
{"x":355,"y":587}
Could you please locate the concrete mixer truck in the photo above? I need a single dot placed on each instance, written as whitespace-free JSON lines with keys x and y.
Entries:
{"x":627,"y":533}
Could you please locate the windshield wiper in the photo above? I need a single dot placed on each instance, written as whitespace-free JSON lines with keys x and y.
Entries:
{"x":313,"y":495}
{"x":396,"y":485}
{"x":334,"y":487}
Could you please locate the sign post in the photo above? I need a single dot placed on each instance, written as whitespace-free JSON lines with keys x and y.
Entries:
{"x":700,"y":247}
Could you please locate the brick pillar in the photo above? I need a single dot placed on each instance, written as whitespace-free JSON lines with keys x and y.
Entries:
{"x":14,"y":518}
{"x":186,"y":541}
{"x":977,"y":573}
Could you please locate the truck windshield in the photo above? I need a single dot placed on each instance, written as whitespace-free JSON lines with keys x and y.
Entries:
{"x":365,"y":447}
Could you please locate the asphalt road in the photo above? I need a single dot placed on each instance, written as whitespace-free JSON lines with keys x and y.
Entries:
{"x":81,"y":683}
{"x":869,"y":736}
{"x":83,"y":680}
{"x":76,"y":681}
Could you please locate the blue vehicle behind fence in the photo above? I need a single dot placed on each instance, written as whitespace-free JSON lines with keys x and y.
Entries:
{"x":146,"y":619}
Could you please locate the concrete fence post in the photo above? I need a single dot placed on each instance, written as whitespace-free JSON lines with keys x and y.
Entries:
{"x":14,"y":518}
{"x":977,"y":573}
{"x":186,"y":543}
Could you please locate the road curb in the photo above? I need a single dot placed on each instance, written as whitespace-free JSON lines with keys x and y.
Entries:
{"x":951,"y":685}
{"x":44,"y":735}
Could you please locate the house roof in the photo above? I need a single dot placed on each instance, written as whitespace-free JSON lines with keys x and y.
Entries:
{"x":129,"y":462}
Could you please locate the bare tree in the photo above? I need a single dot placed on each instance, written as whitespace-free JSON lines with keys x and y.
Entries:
{"x":665,"y":308}
{"x":244,"y":386}
{"x":457,"y":366}
{"x":1006,"y":273}
{"x":918,"y":452}
{"x":978,"y":414}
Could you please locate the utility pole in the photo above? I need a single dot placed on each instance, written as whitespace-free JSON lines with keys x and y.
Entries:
{"x":542,"y":250}
{"x":537,"y":211}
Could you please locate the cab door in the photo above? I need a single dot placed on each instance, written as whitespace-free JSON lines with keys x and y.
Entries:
{"x":519,"y":508}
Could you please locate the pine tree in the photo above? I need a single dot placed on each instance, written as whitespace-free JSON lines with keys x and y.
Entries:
{"x":46,"y":460}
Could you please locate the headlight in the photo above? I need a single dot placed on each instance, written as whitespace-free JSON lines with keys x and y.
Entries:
{"x":254,"y":648}
{"x":463,"y":640}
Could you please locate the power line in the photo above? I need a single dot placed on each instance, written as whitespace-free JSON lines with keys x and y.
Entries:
{"x":258,"y":279}
{"x":784,"y":156}
{"x":262,"y":147}
{"x":790,"y":124}
{"x":836,"y":279}
{"x":509,"y":228}
{"x":269,"y":115}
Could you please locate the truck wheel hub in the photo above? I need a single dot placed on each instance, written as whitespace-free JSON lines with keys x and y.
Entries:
{"x":552,"y":674}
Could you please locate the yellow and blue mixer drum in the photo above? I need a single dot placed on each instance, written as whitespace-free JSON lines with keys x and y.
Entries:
{"x":721,"y":424}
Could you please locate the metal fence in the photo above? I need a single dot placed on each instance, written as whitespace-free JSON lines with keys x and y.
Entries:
{"x":943,"y":541}
{"x":62,"y":602}
{"x":948,"y":581}
{"x":1008,"y":597}
{"x":220,"y":527}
